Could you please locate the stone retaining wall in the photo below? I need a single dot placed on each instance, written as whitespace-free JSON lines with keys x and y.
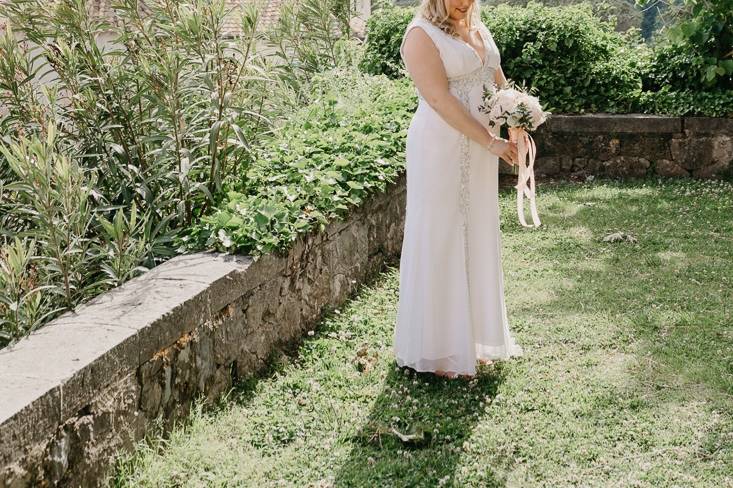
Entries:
{"x":633,"y":145}
{"x":91,"y":383}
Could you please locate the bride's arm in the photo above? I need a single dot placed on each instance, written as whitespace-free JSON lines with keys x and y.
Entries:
{"x":499,"y":78}
{"x":423,"y":62}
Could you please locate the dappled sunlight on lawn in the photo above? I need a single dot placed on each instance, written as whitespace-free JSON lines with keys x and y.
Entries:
{"x":626,"y":376}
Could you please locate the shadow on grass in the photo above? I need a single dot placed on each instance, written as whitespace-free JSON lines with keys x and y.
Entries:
{"x":416,"y":429}
{"x":417,"y":425}
{"x":681,"y":330}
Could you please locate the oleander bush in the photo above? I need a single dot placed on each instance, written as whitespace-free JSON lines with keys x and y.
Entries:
{"x":111,"y":151}
{"x":175,"y":136}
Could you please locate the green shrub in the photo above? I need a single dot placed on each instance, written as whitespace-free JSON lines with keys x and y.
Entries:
{"x":686,"y":102}
{"x":696,"y":53}
{"x":690,"y":70}
{"x":385,"y":29}
{"x":347,"y":143}
{"x":576,"y":61}
{"x":678,"y":67}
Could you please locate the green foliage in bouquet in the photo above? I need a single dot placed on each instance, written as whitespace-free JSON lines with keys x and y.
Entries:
{"x":523,"y":115}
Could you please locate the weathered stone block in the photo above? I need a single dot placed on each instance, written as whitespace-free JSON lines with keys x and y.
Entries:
{"x":579,"y":164}
{"x":644,"y":146}
{"x":623,"y":166}
{"x":548,"y":165}
{"x":618,"y":123}
{"x":708,"y":125}
{"x":665,"y":167}
{"x":594,"y":165}
{"x":722,"y":150}
{"x":715,"y":170}
{"x":566,"y":163}
{"x":692,"y":153}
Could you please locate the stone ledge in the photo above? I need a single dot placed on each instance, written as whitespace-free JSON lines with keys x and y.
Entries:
{"x":64,"y":364}
{"x":709,"y":125}
{"x":614,"y":123}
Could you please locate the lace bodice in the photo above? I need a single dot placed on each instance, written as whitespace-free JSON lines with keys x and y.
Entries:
{"x":463,"y":67}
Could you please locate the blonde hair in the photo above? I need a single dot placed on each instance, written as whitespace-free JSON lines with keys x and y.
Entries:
{"x":435,"y":12}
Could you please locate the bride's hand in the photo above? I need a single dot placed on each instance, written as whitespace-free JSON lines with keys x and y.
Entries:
{"x":505,"y":149}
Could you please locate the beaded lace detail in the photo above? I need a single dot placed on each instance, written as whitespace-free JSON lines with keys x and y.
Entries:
{"x":462,"y":86}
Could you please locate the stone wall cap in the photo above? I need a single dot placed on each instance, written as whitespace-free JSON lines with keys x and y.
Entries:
{"x":618,"y":123}
{"x":710,"y":125}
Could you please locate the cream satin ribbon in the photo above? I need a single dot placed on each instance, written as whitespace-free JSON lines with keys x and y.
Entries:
{"x":525,"y":185}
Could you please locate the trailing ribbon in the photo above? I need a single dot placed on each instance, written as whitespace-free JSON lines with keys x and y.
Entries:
{"x":525,"y":185}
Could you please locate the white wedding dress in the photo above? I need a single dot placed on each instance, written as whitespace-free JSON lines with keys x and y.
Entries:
{"x":451,"y":308}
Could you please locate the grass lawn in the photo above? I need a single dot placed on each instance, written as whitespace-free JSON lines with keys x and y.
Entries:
{"x":627,"y":378}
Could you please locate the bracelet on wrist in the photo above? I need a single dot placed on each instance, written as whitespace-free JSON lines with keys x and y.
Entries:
{"x":494,"y":140}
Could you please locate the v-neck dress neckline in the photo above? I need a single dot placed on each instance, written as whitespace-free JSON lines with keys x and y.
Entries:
{"x":483,"y":60}
{"x":452,"y":49}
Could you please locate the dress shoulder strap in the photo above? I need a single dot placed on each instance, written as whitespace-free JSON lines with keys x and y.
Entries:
{"x":494,"y":49}
{"x":436,"y":35}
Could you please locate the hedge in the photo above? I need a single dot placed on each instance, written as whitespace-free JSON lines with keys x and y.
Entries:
{"x":577,"y":62}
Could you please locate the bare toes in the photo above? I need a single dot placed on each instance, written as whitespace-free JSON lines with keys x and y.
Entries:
{"x":445,"y":374}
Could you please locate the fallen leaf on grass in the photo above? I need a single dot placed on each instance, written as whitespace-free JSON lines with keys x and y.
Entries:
{"x":619,"y":237}
{"x":408,"y":437}
{"x":364,"y":359}
{"x":415,"y":436}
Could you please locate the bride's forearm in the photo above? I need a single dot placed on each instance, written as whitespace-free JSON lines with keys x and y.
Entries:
{"x":452,"y":110}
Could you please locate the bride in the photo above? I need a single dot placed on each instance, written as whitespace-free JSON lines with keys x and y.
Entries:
{"x":451,"y":311}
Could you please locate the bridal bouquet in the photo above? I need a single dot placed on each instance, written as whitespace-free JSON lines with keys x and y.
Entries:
{"x":521,"y":112}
